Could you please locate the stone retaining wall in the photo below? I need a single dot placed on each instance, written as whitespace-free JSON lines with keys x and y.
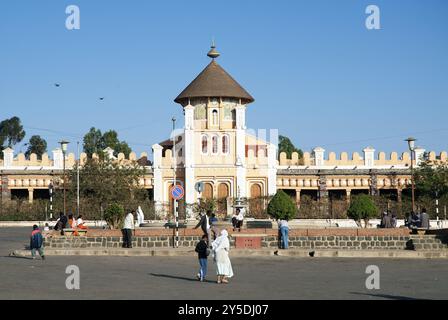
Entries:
{"x":376,"y":242}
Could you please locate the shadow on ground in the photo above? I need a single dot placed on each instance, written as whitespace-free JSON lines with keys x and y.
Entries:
{"x":386,"y":296}
{"x":177,"y":277}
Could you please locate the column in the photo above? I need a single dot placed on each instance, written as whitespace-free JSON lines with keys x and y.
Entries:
{"x":58,"y":159}
{"x":272,"y":169}
{"x":241,"y":151}
{"x":399,"y":192}
{"x":8,"y":157}
{"x":298,"y":191}
{"x":157,"y":172}
{"x":30,"y":195}
{"x":319,"y":156}
{"x":369,"y":157}
{"x":189,"y":147}
{"x":348,"y":193}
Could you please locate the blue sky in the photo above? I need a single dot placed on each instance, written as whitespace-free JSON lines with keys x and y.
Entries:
{"x":317,"y":74}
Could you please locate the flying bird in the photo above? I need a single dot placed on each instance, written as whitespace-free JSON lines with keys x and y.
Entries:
{"x":57,"y":85}
{"x":102,"y":98}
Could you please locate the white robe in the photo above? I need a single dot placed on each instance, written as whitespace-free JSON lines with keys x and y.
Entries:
{"x":221,"y":247}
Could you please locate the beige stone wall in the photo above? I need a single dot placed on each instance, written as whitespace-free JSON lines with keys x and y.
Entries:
{"x":356,"y":159}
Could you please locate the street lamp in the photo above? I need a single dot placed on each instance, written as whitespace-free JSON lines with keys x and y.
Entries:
{"x":411,"y":145}
{"x":64,"y":144}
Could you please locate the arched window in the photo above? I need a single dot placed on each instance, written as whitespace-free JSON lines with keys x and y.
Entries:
{"x":215,"y":117}
{"x":215,"y":144}
{"x":225,"y":144}
{"x":204,"y":144}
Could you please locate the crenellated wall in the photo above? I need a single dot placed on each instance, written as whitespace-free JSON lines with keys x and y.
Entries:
{"x":367,"y":159}
{"x":56,"y":162}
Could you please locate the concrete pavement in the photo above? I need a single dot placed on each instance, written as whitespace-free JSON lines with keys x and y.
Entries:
{"x":107,"y":277}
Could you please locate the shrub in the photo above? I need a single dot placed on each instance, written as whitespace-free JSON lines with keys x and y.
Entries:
{"x":362,"y":207}
{"x":281,"y":206}
{"x":114,"y":215}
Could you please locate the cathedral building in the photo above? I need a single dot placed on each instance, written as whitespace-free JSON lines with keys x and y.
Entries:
{"x":214,"y":148}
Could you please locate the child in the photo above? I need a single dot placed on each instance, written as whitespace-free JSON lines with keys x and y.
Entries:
{"x":203,"y":252}
{"x":36,"y":242}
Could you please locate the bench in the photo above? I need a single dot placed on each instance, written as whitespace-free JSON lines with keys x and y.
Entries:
{"x":172,"y":225}
{"x":70,"y":232}
{"x":259,"y":224}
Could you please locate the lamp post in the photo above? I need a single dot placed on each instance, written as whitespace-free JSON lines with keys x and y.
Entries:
{"x":411,"y":145}
{"x":64,"y":144}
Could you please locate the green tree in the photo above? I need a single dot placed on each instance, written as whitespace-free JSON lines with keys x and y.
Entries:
{"x":281,"y":206}
{"x":93,"y":142}
{"x":96,"y":142}
{"x":105,"y":181}
{"x":285,"y":145}
{"x":36,"y":145}
{"x":431,"y":178}
{"x":362,"y":207}
{"x":11,"y":132}
{"x":114,"y":215}
{"x":110,"y":139}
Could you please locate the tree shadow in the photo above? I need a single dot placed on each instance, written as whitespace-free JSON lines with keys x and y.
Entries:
{"x":387,"y":296}
{"x":177,"y":277}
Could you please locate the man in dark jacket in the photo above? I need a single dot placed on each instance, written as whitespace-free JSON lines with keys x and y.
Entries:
{"x":204,"y":223}
{"x":36,"y":243}
{"x":61,"y":224}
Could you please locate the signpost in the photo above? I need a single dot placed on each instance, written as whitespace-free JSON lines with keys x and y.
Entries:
{"x":177,"y":192}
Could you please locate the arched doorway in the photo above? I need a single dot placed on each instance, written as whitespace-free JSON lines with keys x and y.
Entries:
{"x":208,"y":191}
{"x":256,"y":202}
{"x":223,"y":195}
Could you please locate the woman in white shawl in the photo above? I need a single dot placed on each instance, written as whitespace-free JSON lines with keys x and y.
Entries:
{"x":221,"y":247}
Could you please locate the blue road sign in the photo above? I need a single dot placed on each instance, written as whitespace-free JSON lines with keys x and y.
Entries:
{"x":177,"y":192}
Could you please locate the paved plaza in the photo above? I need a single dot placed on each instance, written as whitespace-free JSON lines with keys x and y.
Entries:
{"x":255,"y":278}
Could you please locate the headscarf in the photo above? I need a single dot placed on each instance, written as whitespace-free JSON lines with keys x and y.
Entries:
{"x":222,"y":242}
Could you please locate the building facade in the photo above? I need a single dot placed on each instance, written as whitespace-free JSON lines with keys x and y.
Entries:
{"x":215,"y":149}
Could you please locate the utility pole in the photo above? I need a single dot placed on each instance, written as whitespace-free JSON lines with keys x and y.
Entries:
{"x":50,"y":190}
{"x":175,"y":203}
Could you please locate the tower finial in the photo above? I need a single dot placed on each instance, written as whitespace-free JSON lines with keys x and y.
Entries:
{"x":213,"y":53}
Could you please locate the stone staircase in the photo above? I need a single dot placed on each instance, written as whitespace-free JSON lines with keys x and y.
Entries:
{"x":427,"y":242}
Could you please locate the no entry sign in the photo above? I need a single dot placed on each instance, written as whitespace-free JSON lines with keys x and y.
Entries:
{"x":177,"y":192}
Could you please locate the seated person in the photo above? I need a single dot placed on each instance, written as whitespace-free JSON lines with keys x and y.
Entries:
{"x":72,"y":224}
{"x":239,"y":219}
{"x":80,"y":223}
{"x":61,"y":223}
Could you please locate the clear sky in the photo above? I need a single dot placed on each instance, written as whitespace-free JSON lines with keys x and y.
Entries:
{"x":317,"y":74}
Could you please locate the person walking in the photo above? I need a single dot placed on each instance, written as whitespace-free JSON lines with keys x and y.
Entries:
{"x":203,"y":252}
{"x":221,"y":247}
{"x":36,"y":243}
{"x":128,"y":226}
{"x":215,"y":230}
{"x":204,"y":223}
{"x":284,"y":231}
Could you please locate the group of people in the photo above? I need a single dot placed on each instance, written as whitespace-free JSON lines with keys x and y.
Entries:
{"x":418,"y":220}
{"x":388,"y":221}
{"x":219,"y":249}
{"x":69,"y":222}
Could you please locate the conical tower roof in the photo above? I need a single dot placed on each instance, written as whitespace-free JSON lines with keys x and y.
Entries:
{"x":215,"y":82}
